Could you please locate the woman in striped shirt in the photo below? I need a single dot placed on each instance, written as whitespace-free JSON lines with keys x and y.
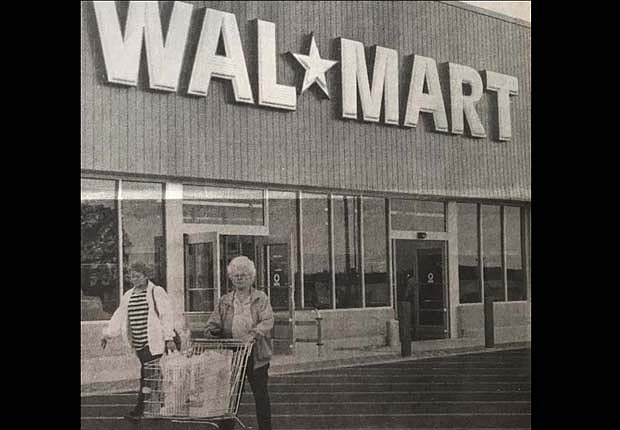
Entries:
{"x":146,"y":326}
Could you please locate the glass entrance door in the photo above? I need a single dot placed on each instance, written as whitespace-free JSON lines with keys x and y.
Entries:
{"x":202,"y":275}
{"x":207,"y":256}
{"x":232,"y":246}
{"x":430,"y":305}
{"x":272,"y":276}
{"x":421,"y":280}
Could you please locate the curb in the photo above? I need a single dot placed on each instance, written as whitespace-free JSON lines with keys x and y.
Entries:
{"x":390,"y":358}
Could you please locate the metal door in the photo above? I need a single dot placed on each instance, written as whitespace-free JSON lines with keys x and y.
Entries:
{"x":202,"y":273}
{"x":421,"y":279}
{"x":430,"y":310}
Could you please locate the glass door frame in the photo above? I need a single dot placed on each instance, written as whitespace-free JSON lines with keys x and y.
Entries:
{"x":203,"y":237}
{"x":215,"y":237}
{"x":203,"y":229}
{"x":429,"y":236}
{"x":223,"y":254}
{"x":443,"y":246}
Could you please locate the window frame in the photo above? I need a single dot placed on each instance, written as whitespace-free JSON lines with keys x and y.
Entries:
{"x":479,"y":266}
{"x":413,"y":199}
{"x":217,"y":293}
{"x":524,"y":241}
{"x":263,"y":230}
{"x":119,"y":229}
{"x":118,"y":193}
{"x":301,"y":253}
{"x":501,"y":249}
{"x":524,"y":245}
{"x":357,"y":207}
{"x":230,"y":229}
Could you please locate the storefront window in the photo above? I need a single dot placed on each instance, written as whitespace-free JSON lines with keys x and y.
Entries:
{"x":142,"y":215}
{"x":99,"y":258}
{"x":315,"y":233}
{"x":469,"y":275}
{"x":491,"y":251}
{"x":514,"y":256}
{"x":346,"y":252}
{"x":375,"y":254}
{"x":281,"y":249}
{"x":217,"y":205}
{"x":418,"y":215}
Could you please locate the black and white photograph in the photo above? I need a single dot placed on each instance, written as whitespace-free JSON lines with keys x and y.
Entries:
{"x":305,"y":215}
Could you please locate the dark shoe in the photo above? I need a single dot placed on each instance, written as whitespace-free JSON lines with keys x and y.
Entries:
{"x":134,"y":416}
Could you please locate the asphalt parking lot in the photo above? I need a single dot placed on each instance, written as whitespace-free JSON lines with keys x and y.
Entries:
{"x":490,"y":390}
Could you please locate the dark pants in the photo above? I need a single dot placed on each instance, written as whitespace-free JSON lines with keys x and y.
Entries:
{"x":144,"y":355}
{"x":258,"y":382}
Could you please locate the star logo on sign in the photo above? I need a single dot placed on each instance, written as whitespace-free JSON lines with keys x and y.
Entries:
{"x":315,"y":68}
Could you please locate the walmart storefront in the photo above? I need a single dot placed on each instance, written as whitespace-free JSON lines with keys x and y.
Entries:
{"x":362,"y":154}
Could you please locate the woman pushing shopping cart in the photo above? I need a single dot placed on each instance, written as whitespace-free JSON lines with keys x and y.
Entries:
{"x":239,"y":332}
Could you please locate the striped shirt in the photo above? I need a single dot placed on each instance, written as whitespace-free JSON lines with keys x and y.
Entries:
{"x":138,"y":312}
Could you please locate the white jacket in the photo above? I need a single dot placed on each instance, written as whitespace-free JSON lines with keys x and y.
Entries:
{"x":159,"y":329}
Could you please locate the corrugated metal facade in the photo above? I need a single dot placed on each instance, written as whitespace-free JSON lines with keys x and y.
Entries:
{"x":135,"y":130}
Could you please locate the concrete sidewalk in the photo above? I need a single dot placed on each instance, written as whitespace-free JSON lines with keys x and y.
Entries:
{"x":307,"y":358}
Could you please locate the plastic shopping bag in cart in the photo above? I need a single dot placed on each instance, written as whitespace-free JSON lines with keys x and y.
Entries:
{"x":210,"y":383}
{"x":175,"y":383}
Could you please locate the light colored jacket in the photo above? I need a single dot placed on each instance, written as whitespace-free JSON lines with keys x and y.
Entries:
{"x":159,"y":330}
{"x":221,"y":320}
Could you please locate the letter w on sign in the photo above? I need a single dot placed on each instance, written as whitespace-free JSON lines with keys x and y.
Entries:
{"x":121,"y":53}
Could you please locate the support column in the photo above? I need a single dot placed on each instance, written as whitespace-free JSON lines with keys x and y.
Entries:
{"x":453,"y":268}
{"x":526,"y":246}
{"x":526,"y":252}
{"x":173,"y":227}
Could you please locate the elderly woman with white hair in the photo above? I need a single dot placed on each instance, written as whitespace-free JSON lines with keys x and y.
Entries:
{"x":245,"y":313}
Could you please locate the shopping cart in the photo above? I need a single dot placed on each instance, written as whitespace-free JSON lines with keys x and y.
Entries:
{"x":176,"y":388}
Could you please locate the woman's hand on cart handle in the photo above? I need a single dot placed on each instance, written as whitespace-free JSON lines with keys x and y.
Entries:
{"x":104,"y":343}
{"x":209,"y":335}
{"x":249,"y":337}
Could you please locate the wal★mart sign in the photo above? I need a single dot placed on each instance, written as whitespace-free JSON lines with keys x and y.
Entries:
{"x":121,"y":55}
